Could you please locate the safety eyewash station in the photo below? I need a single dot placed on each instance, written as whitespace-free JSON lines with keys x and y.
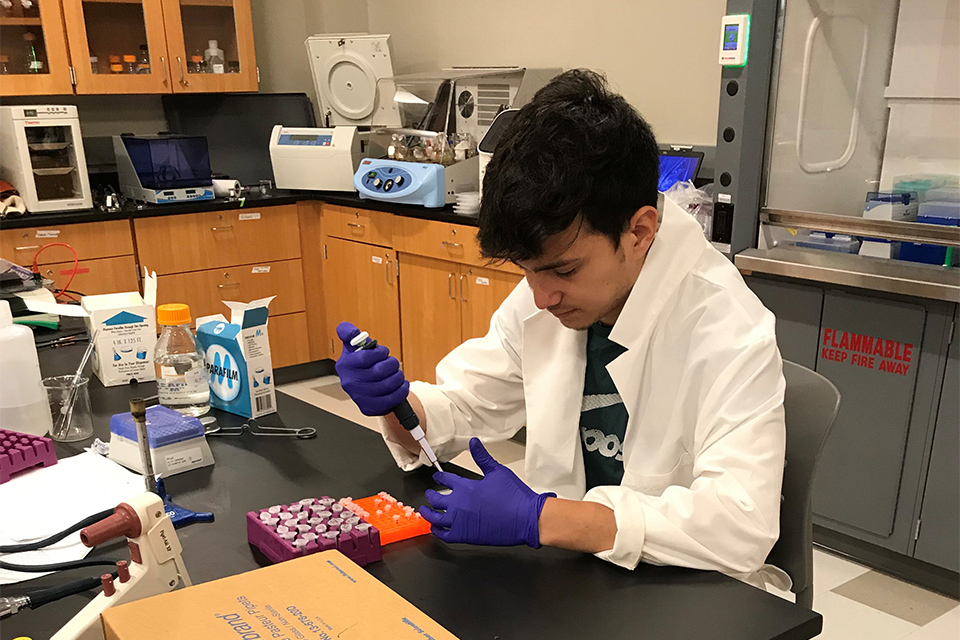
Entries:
{"x":310,"y":330}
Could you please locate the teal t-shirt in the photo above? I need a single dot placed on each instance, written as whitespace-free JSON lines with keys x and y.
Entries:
{"x":603,"y":418}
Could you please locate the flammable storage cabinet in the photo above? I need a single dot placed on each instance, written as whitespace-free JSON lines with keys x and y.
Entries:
{"x":887,"y":489}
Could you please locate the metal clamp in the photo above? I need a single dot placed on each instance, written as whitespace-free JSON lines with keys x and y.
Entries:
{"x":183,"y":80}
{"x":163,"y":66}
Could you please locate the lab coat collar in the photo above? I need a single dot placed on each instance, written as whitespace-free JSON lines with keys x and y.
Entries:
{"x":675,"y":250}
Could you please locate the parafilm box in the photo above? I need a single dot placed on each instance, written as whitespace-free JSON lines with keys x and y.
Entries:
{"x":237,"y":359}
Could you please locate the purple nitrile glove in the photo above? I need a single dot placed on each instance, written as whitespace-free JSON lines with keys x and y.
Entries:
{"x":371,"y":377}
{"x":497,"y":510}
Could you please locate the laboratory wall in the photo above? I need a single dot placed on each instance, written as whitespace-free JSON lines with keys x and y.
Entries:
{"x":662,"y":56}
{"x":279,"y":32}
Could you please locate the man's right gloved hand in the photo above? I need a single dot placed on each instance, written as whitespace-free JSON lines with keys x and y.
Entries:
{"x":371,"y":377}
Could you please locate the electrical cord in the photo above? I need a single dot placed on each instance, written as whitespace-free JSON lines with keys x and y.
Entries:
{"x":34,"y":598}
{"x":57,"y":537}
{"x":73,"y":272}
{"x":57,"y":566}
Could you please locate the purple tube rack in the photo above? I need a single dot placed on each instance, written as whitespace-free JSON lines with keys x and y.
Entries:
{"x":361,"y":543}
{"x":19,"y":451}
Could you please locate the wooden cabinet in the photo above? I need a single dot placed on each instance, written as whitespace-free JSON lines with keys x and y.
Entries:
{"x":191,"y":24}
{"x":33,"y":50}
{"x":93,"y":277}
{"x":206,"y":291}
{"x":127,"y":47}
{"x":104,"y":249}
{"x":203,"y":259}
{"x":117,"y":47}
{"x":359,"y":225}
{"x":360,"y":286}
{"x":443,"y":304}
{"x":443,"y":240}
{"x":216,"y":239}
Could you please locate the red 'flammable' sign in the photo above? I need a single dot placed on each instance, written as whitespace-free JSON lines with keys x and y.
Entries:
{"x":868,"y":352}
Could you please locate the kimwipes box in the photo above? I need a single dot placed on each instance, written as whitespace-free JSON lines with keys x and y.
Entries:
{"x":320,"y":596}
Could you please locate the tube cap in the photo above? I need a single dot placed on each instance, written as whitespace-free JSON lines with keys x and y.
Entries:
{"x":173,"y":314}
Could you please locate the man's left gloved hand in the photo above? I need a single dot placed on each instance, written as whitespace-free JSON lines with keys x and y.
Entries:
{"x":497,"y":510}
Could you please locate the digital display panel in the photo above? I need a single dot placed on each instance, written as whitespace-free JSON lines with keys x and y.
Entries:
{"x":730,"y":36}
{"x":674,"y":169}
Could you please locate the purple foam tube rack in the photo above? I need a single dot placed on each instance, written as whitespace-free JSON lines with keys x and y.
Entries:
{"x":19,"y":451}
{"x":283,"y":532}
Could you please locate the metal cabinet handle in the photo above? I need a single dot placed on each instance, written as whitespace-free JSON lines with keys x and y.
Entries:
{"x":163,"y":66}
{"x":27,"y":248}
{"x":229,"y":284}
{"x":355,"y":225}
{"x":183,"y":80}
{"x":450,"y":286}
{"x":386,"y":263}
{"x":462,"y":296}
{"x":446,"y":243}
{"x":226,"y":228}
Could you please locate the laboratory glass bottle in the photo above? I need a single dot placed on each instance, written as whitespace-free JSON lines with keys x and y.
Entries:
{"x":129,"y":63}
{"x":181,"y":379}
{"x":23,"y":401}
{"x":213,"y":57}
{"x":34,"y":64}
{"x":143,"y":60}
{"x":4,"y":64}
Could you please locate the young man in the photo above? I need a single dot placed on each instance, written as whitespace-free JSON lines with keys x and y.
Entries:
{"x":646,"y":372}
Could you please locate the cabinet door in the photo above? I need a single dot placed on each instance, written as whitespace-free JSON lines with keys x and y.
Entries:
{"x":430,"y":308}
{"x":192,"y":25}
{"x":360,"y":287}
{"x":206,"y":291}
{"x":481,"y":293}
{"x":90,"y":240}
{"x":216,"y":239}
{"x":33,"y":50}
{"x":939,"y":530}
{"x":288,"y":339}
{"x":94,"y":277}
{"x":118,"y":47}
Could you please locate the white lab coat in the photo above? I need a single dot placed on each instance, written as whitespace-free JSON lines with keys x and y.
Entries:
{"x":702,"y":384}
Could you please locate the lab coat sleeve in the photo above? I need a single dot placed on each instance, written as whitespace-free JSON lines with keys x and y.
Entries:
{"x":479,"y":390}
{"x":728,"y":518}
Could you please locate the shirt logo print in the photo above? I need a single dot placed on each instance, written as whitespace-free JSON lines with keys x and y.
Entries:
{"x":609,"y":446}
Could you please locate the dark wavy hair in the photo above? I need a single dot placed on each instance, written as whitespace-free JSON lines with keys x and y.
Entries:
{"x":576,"y":149}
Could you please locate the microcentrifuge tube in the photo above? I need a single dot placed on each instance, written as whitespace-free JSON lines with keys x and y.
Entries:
{"x":282,"y":529}
{"x":265,"y":515}
{"x":271,"y":522}
{"x":302,"y":528}
{"x":284,"y":515}
{"x":289,"y":535}
{"x":336,"y":508}
{"x":300,"y":543}
{"x":309,"y":536}
{"x":325,"y":514}
{"x":295,"y":507}
{"x":346,"y":526}
{"x":274,"y":510}
{"x":314,"y":521}
{"x":334,"y":522}
{"x":363,"y":526}
{"x":320,"y":528}
{"x":308,"y":501}
{"x":396,"y":518}
{"x":331,"y":535}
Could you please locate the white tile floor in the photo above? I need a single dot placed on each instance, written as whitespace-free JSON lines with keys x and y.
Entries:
{"x":844,"y":618}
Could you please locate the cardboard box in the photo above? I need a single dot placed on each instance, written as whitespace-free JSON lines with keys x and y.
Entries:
{"x":125,"y":326}
{"x":319,"y":596}
{"x":237,"y":359}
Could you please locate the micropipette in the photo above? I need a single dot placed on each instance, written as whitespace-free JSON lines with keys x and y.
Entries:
{"x":404,"y":412}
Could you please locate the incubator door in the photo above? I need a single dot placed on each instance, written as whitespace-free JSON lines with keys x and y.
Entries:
{"x":52,"y":153}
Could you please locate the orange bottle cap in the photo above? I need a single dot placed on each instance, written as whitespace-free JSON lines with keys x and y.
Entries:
{"x":129,"y":58}
{"x":173,"y":314}
{"x":114,"y":58}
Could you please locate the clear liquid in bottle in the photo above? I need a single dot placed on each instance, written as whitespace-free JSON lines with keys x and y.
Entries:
{"x":181,"y":378}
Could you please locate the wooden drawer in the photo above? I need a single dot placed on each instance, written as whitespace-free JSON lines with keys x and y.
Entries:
{"x":443,"y":240}
{"x":205,"y":291}
{"x":90,"y":239}
{"x":104,"y":275}
{"x":216,"y":239}
{"x":360,"y":225}
{"x":289,"y":343}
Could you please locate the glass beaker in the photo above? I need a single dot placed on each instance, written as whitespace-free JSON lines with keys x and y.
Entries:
{"x":69,"y":408}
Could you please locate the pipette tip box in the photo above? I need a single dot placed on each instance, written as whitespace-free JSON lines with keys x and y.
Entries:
{"x":177,"y":442}
{"x":286,"y":531}
{"x":21,"y":451}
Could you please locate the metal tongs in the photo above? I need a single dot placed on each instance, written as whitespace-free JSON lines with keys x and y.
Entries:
{"x":257,"y":429}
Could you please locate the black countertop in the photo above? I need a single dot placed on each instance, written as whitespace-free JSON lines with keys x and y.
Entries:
{"x":277,"y":197}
